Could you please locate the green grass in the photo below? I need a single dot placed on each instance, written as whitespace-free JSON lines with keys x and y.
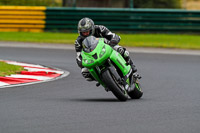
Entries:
{"x":46,"y":37}
{"x":8,"y":69}
{"x":181,"y":41}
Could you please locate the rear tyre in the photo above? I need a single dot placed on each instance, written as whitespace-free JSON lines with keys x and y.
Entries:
{"x":137,"y":92}
{"x":114,"y":86}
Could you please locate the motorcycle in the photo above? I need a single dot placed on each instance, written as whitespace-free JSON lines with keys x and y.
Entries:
{"x":109,"y":69}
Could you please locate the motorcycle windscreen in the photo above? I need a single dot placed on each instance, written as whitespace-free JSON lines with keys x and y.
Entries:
{"x":89,"y":44}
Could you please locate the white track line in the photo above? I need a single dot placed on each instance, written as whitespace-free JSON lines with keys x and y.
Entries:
{"x":46,"y":70}
{"x":30,"y":77}
{"x":2,"y":83}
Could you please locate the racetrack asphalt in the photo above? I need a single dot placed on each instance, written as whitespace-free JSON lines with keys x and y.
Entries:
{"x":171,"y":85}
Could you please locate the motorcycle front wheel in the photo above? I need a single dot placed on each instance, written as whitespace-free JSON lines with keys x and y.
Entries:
{"x":114,"y":86}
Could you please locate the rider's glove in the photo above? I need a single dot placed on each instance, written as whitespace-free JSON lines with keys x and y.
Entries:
{"x":113,"y":42}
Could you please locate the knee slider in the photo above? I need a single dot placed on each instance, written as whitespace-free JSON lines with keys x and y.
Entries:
{"x":86,"y":74}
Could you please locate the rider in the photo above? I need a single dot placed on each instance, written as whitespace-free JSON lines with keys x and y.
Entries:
{"x":87,"y":28}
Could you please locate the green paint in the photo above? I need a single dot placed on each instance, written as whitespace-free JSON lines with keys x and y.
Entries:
{"x":103,"y":52}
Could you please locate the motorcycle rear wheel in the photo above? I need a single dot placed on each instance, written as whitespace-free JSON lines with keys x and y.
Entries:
{"x":137,"y":92}
{"x":114,"y":86}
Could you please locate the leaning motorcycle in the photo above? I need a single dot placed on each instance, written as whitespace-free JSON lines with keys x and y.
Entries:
{"x":109,"y":69}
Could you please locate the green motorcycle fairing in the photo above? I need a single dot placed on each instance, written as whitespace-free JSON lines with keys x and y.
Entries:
{"x":96,"y":58}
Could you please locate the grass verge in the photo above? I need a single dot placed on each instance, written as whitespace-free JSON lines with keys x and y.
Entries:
{"x":8,"y":69}
{"x":181,"y":41}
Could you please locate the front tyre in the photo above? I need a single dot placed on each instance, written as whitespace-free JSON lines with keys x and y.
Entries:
{"x":113,"y":85}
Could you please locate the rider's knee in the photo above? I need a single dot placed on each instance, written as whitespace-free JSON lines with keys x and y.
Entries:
{"x":86,"y":74}
{"x":122,"y":51}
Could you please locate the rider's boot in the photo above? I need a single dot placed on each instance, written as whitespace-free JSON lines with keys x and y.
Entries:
{"x":129,"y":61}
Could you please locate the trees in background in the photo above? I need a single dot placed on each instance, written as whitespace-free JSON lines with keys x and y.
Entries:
{"x":30,"y":2}
{"x":157,"y":3}
{"x":98,"y":3}
{"x":125,"y":3}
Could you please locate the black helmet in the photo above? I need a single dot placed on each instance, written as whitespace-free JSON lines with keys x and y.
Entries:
{"x":84,"y":25}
